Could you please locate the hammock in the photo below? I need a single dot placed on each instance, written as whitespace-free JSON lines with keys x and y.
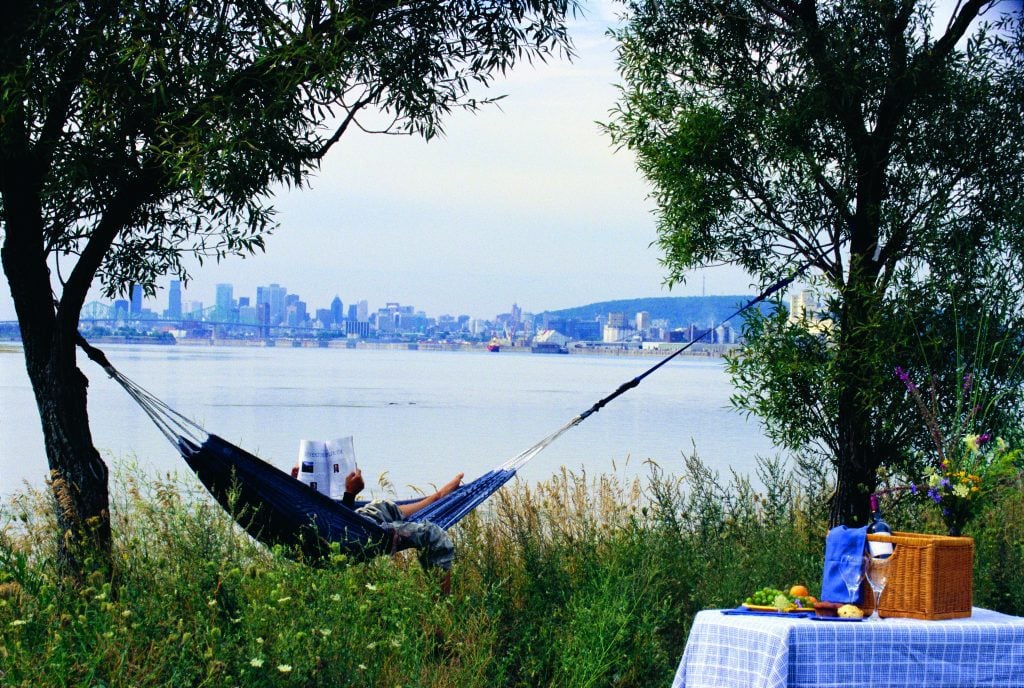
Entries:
{"x":277,"y":509}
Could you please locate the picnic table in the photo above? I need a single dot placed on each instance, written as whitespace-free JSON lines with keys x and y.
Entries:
{"x":779,"y":651}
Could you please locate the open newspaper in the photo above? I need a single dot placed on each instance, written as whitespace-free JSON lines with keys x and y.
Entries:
{"x":324,"y":464}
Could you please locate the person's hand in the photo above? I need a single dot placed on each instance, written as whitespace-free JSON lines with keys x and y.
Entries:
{"x":354,"y":482}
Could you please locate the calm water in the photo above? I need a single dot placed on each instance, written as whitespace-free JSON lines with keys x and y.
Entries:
{"x":421,"y":416}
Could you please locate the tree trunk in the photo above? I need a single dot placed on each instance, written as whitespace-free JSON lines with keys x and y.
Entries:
{"x":858,"y":352}
{"x":857,"y":462}
{"x":78,"y":476}
{"x":855,"y":476}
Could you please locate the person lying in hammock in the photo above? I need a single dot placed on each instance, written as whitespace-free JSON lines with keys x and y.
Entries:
{"x":434,"y":545}
{"x":436,"y":550}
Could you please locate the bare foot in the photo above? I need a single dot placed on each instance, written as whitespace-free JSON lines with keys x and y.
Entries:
{"x":451,"y":485}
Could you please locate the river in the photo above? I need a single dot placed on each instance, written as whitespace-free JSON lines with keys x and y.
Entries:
{"x":421,"y":416}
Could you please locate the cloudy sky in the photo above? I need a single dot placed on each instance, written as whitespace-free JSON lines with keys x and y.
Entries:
{"x":526,"y":202}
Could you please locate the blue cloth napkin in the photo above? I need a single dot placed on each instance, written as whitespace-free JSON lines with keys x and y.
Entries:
{"x":743,"y":611}
{"x":841,"y":541}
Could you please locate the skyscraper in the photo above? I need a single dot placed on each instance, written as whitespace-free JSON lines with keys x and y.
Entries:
{"x":225,"y":302}
{"x":643,"y":320}
{"x":337,"y":310}
{"x":135,"y":311}
{"x":276,"y":297}
{"x":174,"y":301}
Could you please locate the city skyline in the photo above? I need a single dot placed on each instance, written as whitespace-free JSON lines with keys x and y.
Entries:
{"x":174,"y":303}
{"x":275,"y":312}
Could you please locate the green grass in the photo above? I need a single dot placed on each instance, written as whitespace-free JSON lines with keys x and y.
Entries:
{"x":573,"y":582}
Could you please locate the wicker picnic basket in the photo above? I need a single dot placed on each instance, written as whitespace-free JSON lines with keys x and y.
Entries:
{"x":930,"y":577}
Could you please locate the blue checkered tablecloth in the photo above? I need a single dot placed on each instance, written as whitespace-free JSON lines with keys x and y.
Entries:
{"x":985,"y":649}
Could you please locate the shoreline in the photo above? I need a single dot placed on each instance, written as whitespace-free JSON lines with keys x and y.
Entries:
{"x":654,"y":349}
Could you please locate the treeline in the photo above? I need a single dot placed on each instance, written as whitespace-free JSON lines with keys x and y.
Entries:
{"x":679,"y":311}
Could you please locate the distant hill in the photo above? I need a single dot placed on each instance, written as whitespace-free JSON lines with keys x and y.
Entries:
{"x":680,"y":311}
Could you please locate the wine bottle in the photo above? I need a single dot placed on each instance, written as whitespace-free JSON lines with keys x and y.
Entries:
{"x":878,"y":526}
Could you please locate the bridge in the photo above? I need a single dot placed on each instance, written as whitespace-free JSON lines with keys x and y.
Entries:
{"x":100,"y":318}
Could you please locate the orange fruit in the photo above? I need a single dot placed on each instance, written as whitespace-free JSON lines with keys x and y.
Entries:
{"x":799,"y":591}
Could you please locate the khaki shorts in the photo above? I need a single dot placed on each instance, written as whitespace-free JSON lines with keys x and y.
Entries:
{"x":434,"y":545}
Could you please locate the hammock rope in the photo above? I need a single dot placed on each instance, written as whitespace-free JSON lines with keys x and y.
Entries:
{"x":172,"y":424}
{"x":298,"y":507}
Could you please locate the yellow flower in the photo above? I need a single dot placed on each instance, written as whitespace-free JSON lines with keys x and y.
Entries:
{"x":256,"y":662}
{"x":284,"y":668}
{"x":971,"y":442}
{"x":960,"y":490}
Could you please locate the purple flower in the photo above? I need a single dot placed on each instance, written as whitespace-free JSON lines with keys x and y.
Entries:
{"x":904,"y":376}
{"x":913,"y":489}
{"x":934,"y":494}
{"x":944,"y":483}
{"x":968,"y":382}
{"x":983,"y":438}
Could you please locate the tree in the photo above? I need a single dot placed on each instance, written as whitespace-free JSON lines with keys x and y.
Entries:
{"x":845,"y":137}
{"x":136,"y":134}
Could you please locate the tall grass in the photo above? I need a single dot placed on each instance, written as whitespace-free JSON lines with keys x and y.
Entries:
{"x":577,"y":581}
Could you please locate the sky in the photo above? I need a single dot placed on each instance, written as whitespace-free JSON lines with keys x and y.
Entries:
{"x":526,"y":202}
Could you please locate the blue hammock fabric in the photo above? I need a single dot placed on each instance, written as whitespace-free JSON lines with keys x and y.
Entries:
{"x":451,"y":508}
{"x":276,"y":509}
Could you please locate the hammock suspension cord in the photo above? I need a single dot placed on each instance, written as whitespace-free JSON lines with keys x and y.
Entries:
{"x":169,"y":422}
{"x":522,"y":458}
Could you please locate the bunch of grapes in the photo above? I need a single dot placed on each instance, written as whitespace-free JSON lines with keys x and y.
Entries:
{"x":766,"y":597}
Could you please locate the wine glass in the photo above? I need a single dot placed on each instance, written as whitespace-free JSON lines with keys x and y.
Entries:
{"x":851,"y":568}
{"x":876,"y":570}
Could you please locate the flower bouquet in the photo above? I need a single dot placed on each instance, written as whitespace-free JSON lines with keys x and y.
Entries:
{"x":966,"y":467}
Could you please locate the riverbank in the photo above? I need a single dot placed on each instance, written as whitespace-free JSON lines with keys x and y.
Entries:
{"x":647,"y":349}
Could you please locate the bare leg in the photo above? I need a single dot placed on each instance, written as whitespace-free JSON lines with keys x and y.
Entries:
{"x":446,"y":489}
{"x":446,"y":583}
